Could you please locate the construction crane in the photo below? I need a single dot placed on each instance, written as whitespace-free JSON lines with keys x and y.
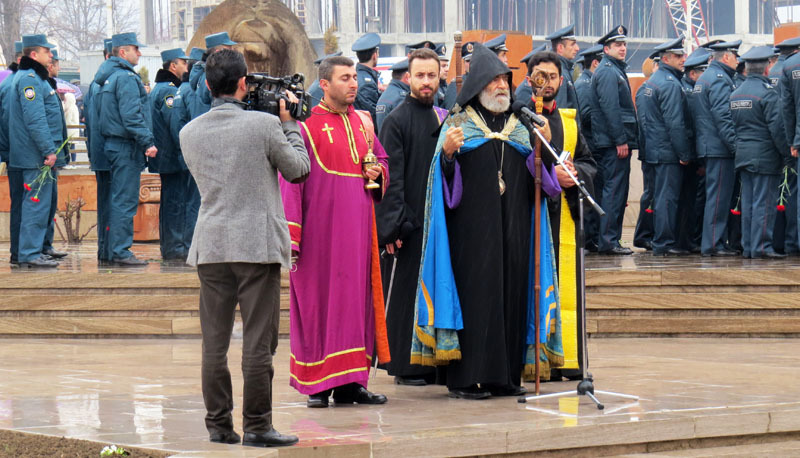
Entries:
{"x":689,"y":21}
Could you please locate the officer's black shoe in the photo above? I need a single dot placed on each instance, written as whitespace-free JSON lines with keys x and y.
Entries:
{"x":725,"y":253}
{"x":55,"y":254}
{"x":39,"y":263}
{"x":229,"y":437}
{"x":647,"y":245}
{"x":591,"y":247}
{"x":774,"y":255}
{"x":132,"y":261}
{"x":410,"y":381}
{"x":672,"y":252}
{"x":359,"y":395}
{"x":270,"y":438}
{"x":14,"y":261}
{"x":506,"y":390}
{"x":617,"y":251}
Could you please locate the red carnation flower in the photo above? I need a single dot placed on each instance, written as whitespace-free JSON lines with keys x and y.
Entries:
{"x":35,"y":199}
{"x":736,"y":212}
{"x":648,"y":210}
{"x":781,"y":208}
{"x":27,"y":186}
{"x":107,"y":228}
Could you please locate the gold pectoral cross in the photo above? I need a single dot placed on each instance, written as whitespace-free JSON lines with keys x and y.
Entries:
{"x":328,"y":131}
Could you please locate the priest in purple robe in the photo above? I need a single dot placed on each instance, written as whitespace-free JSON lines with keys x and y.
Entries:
{"x":337,"y":315}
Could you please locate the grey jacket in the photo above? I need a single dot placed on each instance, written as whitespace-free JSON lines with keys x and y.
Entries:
{"x":234,"y":156}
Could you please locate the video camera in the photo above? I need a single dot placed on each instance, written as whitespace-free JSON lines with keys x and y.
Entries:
{"x":264,"y":94}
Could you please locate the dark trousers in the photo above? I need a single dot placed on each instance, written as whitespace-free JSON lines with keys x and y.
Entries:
{"x":644,"y":224}
{"x":591,"y":219}
{"x":34,"y":216}
{"x":669,"y":178}
{"x":785,"y":232}
{"x":690,"y":216}
{"x":735,"y":221}
{"x":16,"y":192}
{"x":256,"y":287}
{"x":51,"y":223}
{"x":616,"y":178}
{"x":719,"y":190}
{"x":126,"y":172}
{"x":103,"y":178}
{"x":759,"y":193}
{"x":177,"y":216}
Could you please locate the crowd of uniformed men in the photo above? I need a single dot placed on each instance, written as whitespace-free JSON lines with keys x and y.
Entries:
{"x":717,"y":134}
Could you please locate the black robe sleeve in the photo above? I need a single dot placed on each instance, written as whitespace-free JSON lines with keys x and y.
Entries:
{"x":393,"y":216}
{"x":587,"y":169}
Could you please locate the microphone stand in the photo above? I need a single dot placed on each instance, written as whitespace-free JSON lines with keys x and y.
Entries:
{"x":586,"y":385}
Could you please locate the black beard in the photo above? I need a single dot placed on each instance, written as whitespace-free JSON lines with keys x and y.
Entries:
{"x":425,"y":100}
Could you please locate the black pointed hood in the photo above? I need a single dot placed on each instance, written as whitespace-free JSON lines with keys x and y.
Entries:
{"x":483,"y":68}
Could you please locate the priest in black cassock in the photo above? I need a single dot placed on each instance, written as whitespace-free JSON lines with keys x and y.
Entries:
{"x":486,"y":162}
{"x":563,"y":207}
{"x":409,"y":136}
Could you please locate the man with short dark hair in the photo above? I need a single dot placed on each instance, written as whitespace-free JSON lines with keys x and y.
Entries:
{"x":563,"y":208}
{"x":234,"y":153}
{"x":124,"y":120}
{"x":369,"y":87}
{"x":337,"y":312}
{"x":408,"y":134}
{"x":35,"y":133}
{"x":179,"y":199}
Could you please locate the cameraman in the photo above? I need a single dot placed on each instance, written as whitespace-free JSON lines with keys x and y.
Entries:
{"x":240,"y":243}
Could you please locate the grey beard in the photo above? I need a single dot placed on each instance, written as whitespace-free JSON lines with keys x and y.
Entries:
{"x":491,"y":103}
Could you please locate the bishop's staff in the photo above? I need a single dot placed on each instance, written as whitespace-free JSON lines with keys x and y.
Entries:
{"x":538,"y":81}
{"x":457,"y":58}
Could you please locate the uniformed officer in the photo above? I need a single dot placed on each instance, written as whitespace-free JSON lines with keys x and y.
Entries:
{"x":667,"y":144}
{"x":498,"y":46}
{"x":790,"y":105}
{"x":444,"y":67}
{"x":615,"y":134}
{"x":524,"y":91}
{"x":369,"y":90}
{"x":395,"y":93}
{"x":451,"y":93}
{"x":61,"y":160}
{"x":785,"y":235}
{"x":124,"y":120}
{"x":565,"y":44}
{"x":715,"y":143}
{"x":590,"y":59}
{"x":315,"y":91}
{"x":169,"y":164}
{"x":643,"y":232}
{"x":693,"y":190}
{"x":15,"y":180}
{"x":739,"y":76}
{"x":185,"y":97}
{"x":35,"y":133}
{"x":202,"y":103}
{"x":98,"y":160}
{"x":422,"y":44}
{"x":761,"y":152}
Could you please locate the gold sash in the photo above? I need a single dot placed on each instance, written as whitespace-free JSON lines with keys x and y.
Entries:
{"x":567,"y":256}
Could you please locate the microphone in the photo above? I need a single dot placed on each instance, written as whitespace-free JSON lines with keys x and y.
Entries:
{"x":522,"y":111}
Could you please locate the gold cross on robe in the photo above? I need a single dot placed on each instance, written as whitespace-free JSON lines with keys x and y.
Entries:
{"x":328,"y":130}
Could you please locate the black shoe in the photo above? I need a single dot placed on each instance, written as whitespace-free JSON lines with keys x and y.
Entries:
{"x":591,"y":247}
{"x":672,"y":252}
{"x":647,"y":245}
{"x":470,"y":392}
{"x":271,"y":438}
{"x":317,"y":401}
{"x":359,"y":395}
{"x":39,"y":263}
{"x":507,"y":390}
{"x":725,"y":253}
{"x":410,"y":381}
{"x":132,"y":261}
{"x":617,"y":251}
{"x":774,"y":255}
{"x":229,"y":437}
{"x":54,"y":253}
